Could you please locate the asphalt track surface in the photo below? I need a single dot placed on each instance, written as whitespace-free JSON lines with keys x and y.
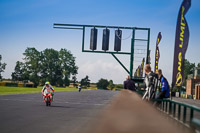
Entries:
{"x":70,"y":111}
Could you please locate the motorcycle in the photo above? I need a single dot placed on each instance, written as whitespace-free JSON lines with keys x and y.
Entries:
{"x":48,"y":96}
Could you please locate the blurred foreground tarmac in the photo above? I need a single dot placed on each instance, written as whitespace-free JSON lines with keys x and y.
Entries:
{"x":127,"y":113}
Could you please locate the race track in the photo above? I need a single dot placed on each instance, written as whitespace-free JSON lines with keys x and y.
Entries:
{"x":70,"y":111}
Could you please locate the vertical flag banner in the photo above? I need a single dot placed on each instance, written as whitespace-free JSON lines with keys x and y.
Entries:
{"x":181,"y":44}
{"x":138,"y":71}
{"x":149,"y":58}
{"x":142,"y":67}
{"x":157,"y":55}
{"x":135,"y":74}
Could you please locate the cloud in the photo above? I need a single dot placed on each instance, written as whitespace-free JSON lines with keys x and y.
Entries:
{"x":101,"y":69}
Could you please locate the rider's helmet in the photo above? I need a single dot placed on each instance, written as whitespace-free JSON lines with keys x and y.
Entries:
{"x":47,"y":84}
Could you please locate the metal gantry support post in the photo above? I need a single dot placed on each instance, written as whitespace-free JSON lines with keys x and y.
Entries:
{"x":120,"y":63}
{"x":132,"y":53}
{"x":83,"y":38}
{"x":148,"y":41}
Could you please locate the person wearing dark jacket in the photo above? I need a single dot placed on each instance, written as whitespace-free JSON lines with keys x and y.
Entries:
{"x":129,"y":84}
{"x":164,"y":92}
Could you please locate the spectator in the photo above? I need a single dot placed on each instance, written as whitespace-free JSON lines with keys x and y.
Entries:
{"x":150,"y":81}
{"x":164,"y":92}
{"x":129,"y":84}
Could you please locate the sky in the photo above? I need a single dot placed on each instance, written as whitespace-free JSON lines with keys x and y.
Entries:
{"x":29,"y":23}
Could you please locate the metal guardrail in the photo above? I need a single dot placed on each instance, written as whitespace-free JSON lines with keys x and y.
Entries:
{"x":177,"y":109}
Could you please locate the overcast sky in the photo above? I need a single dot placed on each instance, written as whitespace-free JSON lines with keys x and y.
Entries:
{"x":29,"y":23}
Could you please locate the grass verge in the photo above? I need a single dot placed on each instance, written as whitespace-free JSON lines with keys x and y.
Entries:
{"x":4,"y":90}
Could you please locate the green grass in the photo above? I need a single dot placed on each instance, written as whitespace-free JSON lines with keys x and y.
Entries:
{"x":4,"y":90}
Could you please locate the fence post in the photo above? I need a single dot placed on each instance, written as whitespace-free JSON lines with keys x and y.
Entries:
{"x":170,"y":107}
{"x":184,"y":114}
{"x":163,"y":105}
{"x":191,"y":114}
{"x":174,"y":110}
{"x":179,"y":111}
{"x":166,"y":106}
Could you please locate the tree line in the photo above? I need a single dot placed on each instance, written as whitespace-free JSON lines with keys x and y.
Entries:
{"x":48,"y":65}
{"x":51,"y":65}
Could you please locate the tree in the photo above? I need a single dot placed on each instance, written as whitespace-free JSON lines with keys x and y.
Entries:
{"x":66,"y":81}
{"x":102,"y":83}
{"x":119,"y":86}
{"x":48,"y":65}
{"x":20,"y":72}
{"x":57,"y":66}
{"x":33,"y":64}
{"x":111,"y":85}
{"x":2,"y":67}
{"x":74,"y":80}
{"x":67,"y":65}
{"x":188,"y":68}
{"x":198,"y":65}
{"x":85,"y":81}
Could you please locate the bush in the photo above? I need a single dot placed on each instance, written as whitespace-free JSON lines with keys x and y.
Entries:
{"x":102,"y":84}
{"x":119,"y":86}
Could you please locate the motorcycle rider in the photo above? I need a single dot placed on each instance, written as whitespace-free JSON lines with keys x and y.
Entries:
{"x":48,"y":86}
{"x":79,"y":87}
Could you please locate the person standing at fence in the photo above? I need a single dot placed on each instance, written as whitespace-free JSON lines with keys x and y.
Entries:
{"x":150,"y":81}
{"x":164,"y":92}
{"x":129,"y":84}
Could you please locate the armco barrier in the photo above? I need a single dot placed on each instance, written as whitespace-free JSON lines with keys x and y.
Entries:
{"x":179,"y":110}
{"x":20,"y":85}
{"x":2,"y":84}
{"x":11,"y":84}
